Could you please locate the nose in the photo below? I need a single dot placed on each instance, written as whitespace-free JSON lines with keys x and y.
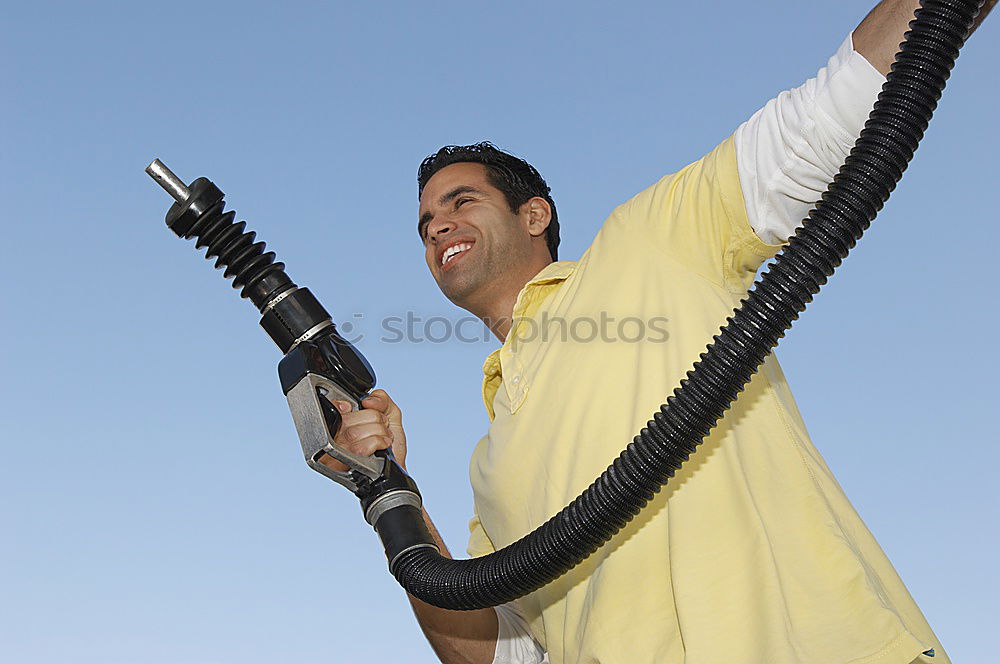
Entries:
{"x":440,"y":226}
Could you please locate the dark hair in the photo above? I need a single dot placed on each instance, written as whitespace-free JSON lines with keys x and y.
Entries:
{"x":517,"y":179}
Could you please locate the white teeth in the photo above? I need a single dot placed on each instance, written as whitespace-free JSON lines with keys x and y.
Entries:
{"x":451,"y":251}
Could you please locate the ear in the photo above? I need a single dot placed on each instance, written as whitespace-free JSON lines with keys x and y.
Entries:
{"x":538,"y":213}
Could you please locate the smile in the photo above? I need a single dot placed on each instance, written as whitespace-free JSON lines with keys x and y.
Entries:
{"x":452,"y":252}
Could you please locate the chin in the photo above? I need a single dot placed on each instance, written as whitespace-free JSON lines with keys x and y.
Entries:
{"x":459,"y":291}
{"x":457,"y":296}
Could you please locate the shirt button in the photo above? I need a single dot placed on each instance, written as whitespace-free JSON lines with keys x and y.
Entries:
{"x":516,"y":380}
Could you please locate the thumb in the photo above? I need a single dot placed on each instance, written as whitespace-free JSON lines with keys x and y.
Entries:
{"x":379,"y":400}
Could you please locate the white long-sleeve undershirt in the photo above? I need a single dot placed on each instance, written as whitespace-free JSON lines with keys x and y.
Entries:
{"x":788,"y":152}
{"x":786,"y":155}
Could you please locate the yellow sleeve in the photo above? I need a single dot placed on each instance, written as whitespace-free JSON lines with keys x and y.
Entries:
{"x":479,"y":542}
{"x":697,"y":216}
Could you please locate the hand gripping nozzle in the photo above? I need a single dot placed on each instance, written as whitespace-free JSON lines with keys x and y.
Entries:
{"x":313,"y":374}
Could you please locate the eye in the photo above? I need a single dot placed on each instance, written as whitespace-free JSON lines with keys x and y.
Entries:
{"x":461,"y":201}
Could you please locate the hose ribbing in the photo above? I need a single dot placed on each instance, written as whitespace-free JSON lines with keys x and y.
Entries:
{"x":860,"y":189}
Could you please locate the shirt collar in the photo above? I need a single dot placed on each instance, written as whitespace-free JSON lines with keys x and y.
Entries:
{"x":551,"y":274}
{"x":556,"y":271}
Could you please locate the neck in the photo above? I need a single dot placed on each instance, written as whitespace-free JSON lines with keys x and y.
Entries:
{"x":497,"y":312}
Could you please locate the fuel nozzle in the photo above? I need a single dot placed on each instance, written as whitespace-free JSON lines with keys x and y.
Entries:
{"x":198,"y":214}
{"x":319,"y":366}
{"x":290,"y":315}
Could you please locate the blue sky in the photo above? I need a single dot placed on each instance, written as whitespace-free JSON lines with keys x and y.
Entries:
{"x":154,"y":506}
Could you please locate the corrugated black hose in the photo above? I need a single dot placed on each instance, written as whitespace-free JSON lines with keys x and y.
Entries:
{"x":304,"y":331}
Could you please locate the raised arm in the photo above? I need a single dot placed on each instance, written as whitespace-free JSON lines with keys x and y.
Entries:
{"x":877,"y":38}
{"x":790,"y":150}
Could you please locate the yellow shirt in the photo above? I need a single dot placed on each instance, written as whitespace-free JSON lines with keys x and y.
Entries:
{"x":752,"y":554}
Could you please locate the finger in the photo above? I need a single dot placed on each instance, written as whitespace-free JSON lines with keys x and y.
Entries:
{"x":377,"y":400}
{"x":360,"y":431}
{"x":368,"y":445}
{"x":350,"y":415}
{"x":357,"y":417}
{"x":380,"y":400}
{"x":330,"y":462}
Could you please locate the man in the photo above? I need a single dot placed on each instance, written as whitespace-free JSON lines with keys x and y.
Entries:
{"x":752,"y":553}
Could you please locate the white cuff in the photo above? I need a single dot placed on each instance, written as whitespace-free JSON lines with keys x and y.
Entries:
{"x":515,"y":644}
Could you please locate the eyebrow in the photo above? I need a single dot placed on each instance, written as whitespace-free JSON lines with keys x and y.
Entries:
{"x":426,"y":217}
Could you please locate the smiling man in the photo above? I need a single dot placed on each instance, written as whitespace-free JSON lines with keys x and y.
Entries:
{"x":488,"y":225}
{"x":752,"y":554}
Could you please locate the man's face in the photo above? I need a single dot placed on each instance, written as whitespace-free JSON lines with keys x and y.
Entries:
{"x":472,"y":241}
